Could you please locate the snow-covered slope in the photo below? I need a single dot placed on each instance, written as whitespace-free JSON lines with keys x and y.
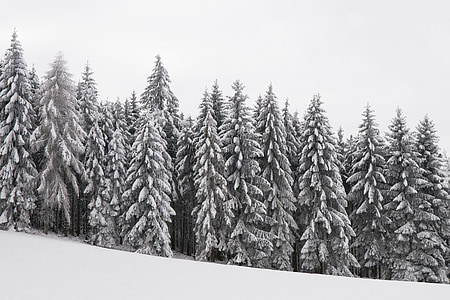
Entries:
{"x":36,"y":267}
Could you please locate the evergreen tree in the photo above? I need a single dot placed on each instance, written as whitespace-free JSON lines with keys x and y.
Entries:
{"x":434,"y":234}
{"x":89,"y":109}
{"x":218,"y":103}
{"x":415,"y":253}
{"x":340,"y":153}
{"x":322,"y":199}
{"x":367,"y":187}
{"x":35,"y":88}
{"x":116,"y":169}
{"x":275,"y":167}
{"x":149,"y":191}
{"x":249,"y":244}
{"x":348,"y":150}
{"x":257,"y":109}
{"x":17,"y":168}
{"x":87,"y":99}
{"x":292,"y":143}
{"x":213,"y":211}
{"x":158,"y":97}
{"x":402,"y":175}
{"x":95,"y":190}
{"x":185,"y":170}
{"x":297,"y":126}
{"x":60,"y":137}
{"x":132,"y":114}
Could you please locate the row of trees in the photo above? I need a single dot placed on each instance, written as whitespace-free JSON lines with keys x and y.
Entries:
{"x":256,"y":187}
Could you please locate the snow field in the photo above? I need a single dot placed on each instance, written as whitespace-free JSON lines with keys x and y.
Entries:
{"x":37,"y":267}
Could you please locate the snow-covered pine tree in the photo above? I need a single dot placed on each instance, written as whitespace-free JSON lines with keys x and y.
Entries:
{"x":368,"y":184}
{"x":433,"y":234}
{"x":61,"y":138}
{"x":185,"y":170}
{"x":89,"y":109}
{"x":257,"y":108}
{"x":297,"y":126}
{"x":275,"y":167}
{"x":100,"y":225}
{"x":17,"y":117}
{"x":148,"y":179}
{"x":87,"y":99}
{"x":131,"y":114}
{"x":349,"y":151}
{"x":213,"y":211}
{"x":116,"y":169}
{"x":322,"y":199}
{"x":35,"y":89}
{"x":218,"y":103}
{"x":249,"y":244}
{"x":108,"y":120}
{"x":340,"y":153}
{"x":292,"y":143}
{"x":158,"y":96}
{"x":403,"y":175}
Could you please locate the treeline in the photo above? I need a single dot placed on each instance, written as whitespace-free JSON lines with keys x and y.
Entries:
{"x":255,"y":186}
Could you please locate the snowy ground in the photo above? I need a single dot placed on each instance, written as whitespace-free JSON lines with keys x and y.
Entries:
{"x":37,"y":267}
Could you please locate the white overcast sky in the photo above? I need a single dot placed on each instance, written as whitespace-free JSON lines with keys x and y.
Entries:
{"x":386,"y":53}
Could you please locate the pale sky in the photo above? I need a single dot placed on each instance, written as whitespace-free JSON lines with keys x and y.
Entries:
{"x":386,"y":53}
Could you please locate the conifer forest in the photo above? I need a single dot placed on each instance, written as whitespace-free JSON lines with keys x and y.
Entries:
{"x":244,"y":182}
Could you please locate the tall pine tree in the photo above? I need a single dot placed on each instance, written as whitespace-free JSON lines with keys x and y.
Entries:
{"x":434,"y":219}
{"x":218,"y":103}
{"x":185,"y":171}
{"x":213,"y":211}
{"x":249,"y":244}
{"x":275,"y":167}
{"x":148,"y":179}
{"x":60,"y":137}
{"x":367,"y":187}
{"x":158,"y":97}
{"x":17,"y":168}
{"x":415,"y":254}
{"x":327,"y":234}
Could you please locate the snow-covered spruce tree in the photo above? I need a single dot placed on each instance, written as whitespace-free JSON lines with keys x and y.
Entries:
{"x":433,"y":234}
{"x":249,"y":244}
{"x":185,"y":171}
{"x":158,"y":96}
{"x":116,"y":169}
{"x":60,"y":137}
{"x":410,"y":210}
{"x":257,"y":108}
{"x":279,"y":198}
{"x":292,"y":143}
{"x":35,"y":88}
{"x":212,"y":212}
{"x":340,"y":153}
{"x":367,"y":187}
{"x":297,"y":126}
{"x":148,"y":179}
{"x":87,"y":98}
{"x":89,"y":109}
{"x":101,"y":233}
{"x":17,"y":169}
{"x":108,"y":119}
{"x":322,"y":202}
{"x":132,"y":114}
{"x":348,"y":150}
{"x":218,"y":103}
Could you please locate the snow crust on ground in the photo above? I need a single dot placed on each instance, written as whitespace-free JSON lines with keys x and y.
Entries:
{"x":43,"y":267}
